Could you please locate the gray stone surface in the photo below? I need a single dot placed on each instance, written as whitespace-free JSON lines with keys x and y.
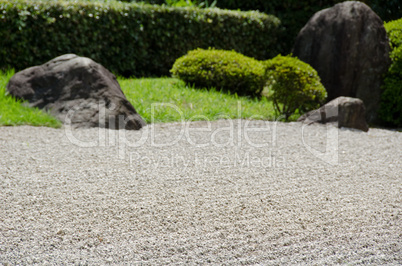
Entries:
{"x":77,"y":91}
{"x":344,"y":111}
{"x":348,"y":46}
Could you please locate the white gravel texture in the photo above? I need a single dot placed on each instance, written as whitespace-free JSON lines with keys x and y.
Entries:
{"x":225,"y":192}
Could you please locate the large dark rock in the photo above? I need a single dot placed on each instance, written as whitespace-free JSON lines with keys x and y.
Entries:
{"x":77,"y":91}
{"x":348,"y":46}
{"x":344,"y":111}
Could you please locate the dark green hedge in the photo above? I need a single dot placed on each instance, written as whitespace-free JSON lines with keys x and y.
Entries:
{"x":129,"y":39}
{"x":386,"y":9}
{"x":294,"y":14}
{"x":391,"y":97}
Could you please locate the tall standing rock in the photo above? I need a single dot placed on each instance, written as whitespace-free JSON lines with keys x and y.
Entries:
{"x":348,"y":46}
{"x":77,"y":91}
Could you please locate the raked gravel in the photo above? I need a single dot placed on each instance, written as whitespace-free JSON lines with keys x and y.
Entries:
{"x":225,"y":192}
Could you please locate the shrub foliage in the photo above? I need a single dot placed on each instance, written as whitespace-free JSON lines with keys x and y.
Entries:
{"x":391,"y":97}
{"x":127,"y":38}
{"x":294,"y":85}
{"x":226,"y":70}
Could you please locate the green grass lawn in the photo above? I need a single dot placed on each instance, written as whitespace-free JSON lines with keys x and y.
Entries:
{"x":155,"y":99}
{"x":169,"y":100}
{"x":14,"y":113}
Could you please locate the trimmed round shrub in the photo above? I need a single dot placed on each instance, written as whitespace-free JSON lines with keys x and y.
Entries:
{"x":391,"y":98}
{"x":220,"y":69}
{"x":294,"y":85}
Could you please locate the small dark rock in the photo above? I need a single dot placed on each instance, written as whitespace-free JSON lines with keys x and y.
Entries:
{"x":345,"y":111}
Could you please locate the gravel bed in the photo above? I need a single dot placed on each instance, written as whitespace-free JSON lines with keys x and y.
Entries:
{"x":225,"y":192}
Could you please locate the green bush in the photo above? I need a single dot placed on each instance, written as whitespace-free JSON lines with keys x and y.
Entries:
{"x":391,"y":97}
{"x":294,"y":85}
{"x":130,"y":39}
{"x":226,"y":70}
